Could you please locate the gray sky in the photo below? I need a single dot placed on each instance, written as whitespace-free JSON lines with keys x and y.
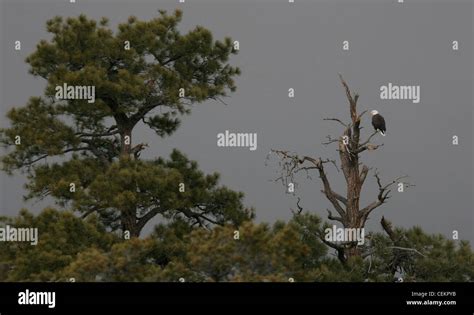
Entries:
{"x":300,"y":46}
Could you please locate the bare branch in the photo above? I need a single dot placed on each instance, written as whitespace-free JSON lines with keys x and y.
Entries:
{"x":217,"y":98}
{"x":331,"y":217}
{"x":293,"y":163}
{"x":339,"y":197}
{"x":352,"y":103}
{"x":300,"y":209}
{"x":363,"y":112}
{"x":328,"y":192}
{"x":383,"y":195}
{"x":369,"y":147}
{"x":338,"y":120}
{"x":368,"y":139}
{"x":333,"y":162}
{"x":366,"y":145}
{"x":348,"y":91}
{"x":330,"y":140}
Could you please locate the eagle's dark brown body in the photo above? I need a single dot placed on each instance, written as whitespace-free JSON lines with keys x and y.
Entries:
{"x":379,"y":123}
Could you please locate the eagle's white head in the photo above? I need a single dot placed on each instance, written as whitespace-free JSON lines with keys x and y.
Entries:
{"x":374,"y":112}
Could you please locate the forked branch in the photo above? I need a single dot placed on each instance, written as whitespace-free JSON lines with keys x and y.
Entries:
{"x":383,"y":195}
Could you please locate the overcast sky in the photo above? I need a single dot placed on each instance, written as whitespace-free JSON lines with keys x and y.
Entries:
{"x":299,"y":46}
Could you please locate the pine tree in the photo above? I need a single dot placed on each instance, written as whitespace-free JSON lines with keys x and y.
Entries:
{"x":81,"y":153}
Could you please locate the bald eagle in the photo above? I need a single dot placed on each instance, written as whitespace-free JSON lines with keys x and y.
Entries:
{"x":378,"y":122}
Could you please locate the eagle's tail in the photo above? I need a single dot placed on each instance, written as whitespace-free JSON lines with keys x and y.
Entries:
{"x":382,"y":133}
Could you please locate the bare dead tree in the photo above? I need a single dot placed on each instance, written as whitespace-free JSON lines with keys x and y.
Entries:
{"x":347,"y":206}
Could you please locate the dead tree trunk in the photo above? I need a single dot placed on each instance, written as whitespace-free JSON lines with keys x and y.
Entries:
{"x":350,"y":147}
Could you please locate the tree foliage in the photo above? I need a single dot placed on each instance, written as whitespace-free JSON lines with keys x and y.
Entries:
{"x":70,"y":247}
{"x":90,"y":145}
{"x":61,"y":237}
